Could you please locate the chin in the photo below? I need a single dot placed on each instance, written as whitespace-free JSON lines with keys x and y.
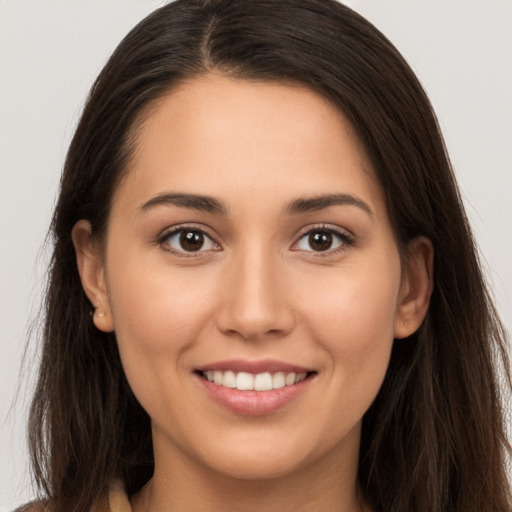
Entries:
{"x":267,"y":456}
{"x":254,"y":467}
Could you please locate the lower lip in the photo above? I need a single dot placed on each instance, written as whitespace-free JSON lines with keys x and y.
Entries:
{"x":254,"y":403}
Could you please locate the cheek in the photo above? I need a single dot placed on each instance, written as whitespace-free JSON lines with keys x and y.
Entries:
{"x":353,"y":322}
{"x":355,"y":307}
{"x":154,"y":307}
{"x":158,"y":314}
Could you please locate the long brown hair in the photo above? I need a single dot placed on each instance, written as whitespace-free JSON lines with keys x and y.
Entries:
{"x":434,"y":439}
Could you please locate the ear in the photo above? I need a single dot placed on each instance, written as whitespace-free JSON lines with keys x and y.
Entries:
{"x":91,"y":268}
{"x":416,"y":287}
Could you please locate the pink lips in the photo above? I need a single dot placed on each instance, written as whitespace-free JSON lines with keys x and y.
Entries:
{"x":263,"y":365}
{"x":250,"y":402}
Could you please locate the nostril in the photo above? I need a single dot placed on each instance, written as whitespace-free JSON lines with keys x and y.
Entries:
{"x":255,"y":325}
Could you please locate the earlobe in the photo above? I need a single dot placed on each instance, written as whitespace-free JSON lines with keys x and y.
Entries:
{"x":90,"y":264}
{"x":416,"y":287}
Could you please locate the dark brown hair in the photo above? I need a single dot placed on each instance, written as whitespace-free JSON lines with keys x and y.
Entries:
{"x":433,"y":440}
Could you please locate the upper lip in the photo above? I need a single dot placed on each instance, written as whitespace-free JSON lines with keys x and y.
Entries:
{"x":254,"y":366}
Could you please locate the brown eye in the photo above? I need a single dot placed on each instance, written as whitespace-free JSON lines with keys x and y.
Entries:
{"x":323,"y":240}
{"x":320,"y":241}
{"x":187,"y":241}
{"x":191,"y":241}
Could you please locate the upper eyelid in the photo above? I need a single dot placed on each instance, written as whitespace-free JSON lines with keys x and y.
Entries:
{"x":325,"y":227}
{"x":170,"y":230}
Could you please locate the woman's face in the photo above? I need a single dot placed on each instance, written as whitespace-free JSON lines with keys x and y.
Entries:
{"x":252,"y":278}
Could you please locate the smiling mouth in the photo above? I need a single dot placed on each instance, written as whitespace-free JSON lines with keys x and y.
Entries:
{"x":245,"y":381}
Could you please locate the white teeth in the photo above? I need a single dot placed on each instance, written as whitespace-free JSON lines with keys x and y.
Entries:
{"x":244,"y":381}
{"x":229,"y":380}
{"x":278,"y":380}
{"x":290,"y":379}
{"x":259,"y":382}
{"x":263,"y":382}
{"x":300,"y":377}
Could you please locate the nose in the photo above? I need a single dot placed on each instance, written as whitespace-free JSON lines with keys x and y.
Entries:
{"x":256,"y":302}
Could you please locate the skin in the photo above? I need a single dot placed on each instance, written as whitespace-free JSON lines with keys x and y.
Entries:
{"x":256,"y":290}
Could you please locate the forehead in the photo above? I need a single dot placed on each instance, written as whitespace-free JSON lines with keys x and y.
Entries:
{"x":214,"y":134}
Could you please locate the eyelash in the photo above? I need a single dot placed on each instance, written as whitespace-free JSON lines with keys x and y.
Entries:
{"x":345,"y":240}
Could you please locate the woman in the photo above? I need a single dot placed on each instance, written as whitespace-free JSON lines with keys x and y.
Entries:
{"x":264,"y":292}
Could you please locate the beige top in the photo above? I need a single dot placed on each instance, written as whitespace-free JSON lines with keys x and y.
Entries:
{"x":117,"y":500}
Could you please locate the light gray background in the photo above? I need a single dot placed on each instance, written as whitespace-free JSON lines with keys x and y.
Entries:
{"x":51,"y":51}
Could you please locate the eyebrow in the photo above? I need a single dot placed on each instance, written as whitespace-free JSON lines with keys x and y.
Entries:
{"x":296,"y":207}
{"x":315,"y":203}
{"x":193,"y":201}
